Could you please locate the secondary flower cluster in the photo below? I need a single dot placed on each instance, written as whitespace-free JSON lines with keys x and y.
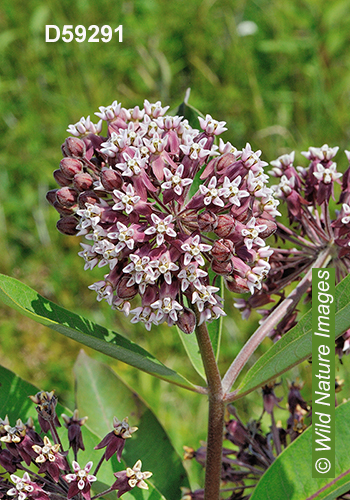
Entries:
{"x":54,"y":477}
{"x":314,"y":228}
{"x":166,"y":211}
{"x":252,"y":450}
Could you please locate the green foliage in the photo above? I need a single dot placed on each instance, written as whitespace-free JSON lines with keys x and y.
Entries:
{"x":31,"y":304}
{"x":290,"y":476}
{"x":101,"y":394}
{"x":296,"y":345}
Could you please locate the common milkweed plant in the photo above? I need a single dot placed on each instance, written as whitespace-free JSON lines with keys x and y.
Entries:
{"x":173,"y":215}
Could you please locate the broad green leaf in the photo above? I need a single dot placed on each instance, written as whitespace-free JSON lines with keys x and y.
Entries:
{"x":296,"y":345}
{"x":102,"y":395}
{"x":28,"y":302}
{"x":290,"y":476}
{"x":192,"y":349}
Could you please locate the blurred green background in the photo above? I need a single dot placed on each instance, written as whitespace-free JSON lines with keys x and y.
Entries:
{"x":281,"y":82}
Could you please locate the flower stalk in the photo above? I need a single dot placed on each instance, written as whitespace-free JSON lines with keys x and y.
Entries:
{"x":275,"y":317}
{"x":215,"y":415}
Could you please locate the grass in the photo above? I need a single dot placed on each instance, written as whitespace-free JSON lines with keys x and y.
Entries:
{"x":286,"y":87}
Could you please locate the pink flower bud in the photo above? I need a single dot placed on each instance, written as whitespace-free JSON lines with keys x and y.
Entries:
{"x":70,"y":167}
{"x":60,"y":178}
{"x":74,"y":147}
{"x":222,"y":250}
{"x":207,"y":221}
{"x":271,"y":227}
{"x":237,"y":285}
{"x":126,"y":292}
{"x":67,"y":196}
{"x":67,"y":225}
{"x":61,"y":209}
{"x":51,"y":196}
{"x":225,"y":162}
{"x":225,"y":226}
{"x":186,"y":320}
{"x":83,"y":181}
{"x":222,"y":268}
{"x":88,"y":197}
{"x":111,"y":179}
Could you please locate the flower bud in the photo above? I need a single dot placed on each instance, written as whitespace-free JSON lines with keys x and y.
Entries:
{"x":222,"y":250}
{"x":271,"y":227}
{"x":207,"y":221}
{"x":186,"y":320}
{"x":126,"y":292}
{"x":67,"y":196}
{"x":67,"y":225}
{"x":237,"y":284}
{"x":60,"y":178}
{"x":222,"y":268}
{"x":70,"y":167}
{"x":74,"y":147}
{"x":88,"y":197}
{"x":51,"y":196}
{"x":111,"y":179}
{"x":225,"y":162}
{"x":62,"y":210}
{"x":225,"y":226}
{"x":82,"y":181}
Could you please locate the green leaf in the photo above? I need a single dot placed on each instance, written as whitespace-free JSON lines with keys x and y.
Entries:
{"x":192,"y":349}
{"x":290,"y":476}
{"x":296,"y":345}
{"x":28,"y":302}
{"x":101,"y":394}
{"x":15,"y":403}
{"x":189,"y":112}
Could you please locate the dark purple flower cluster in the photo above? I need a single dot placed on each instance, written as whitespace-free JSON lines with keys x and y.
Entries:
{"x":253,"y":450}
{"x":50,"y":475}
{"x":159,"y":204}
{"x":314,"y":228}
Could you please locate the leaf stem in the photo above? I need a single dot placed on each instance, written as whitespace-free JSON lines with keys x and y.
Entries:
{"x":275,"y":317}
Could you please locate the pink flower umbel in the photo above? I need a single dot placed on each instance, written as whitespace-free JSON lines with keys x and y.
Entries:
{"x":127,"y":480}
{"x":115,"y":440}
{"x":155,"y":197}
{"x":80,"y":481}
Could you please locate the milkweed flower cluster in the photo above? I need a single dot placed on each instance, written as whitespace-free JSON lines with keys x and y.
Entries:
{"x":314,"y":227}
{"x":166,"y":211}
{"x":21,"y":446}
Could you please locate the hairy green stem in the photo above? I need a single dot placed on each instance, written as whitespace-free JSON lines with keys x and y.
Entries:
{"x":275,"y":317}
{"x":216,"y":414}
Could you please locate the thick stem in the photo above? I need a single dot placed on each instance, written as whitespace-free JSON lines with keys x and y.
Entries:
{"x":215,"y":417}
{"x":275,"y":317}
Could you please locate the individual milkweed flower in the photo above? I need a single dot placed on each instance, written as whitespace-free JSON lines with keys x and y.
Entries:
{"x":127,"y":480}
{"x":26,"y":488}
{"x":46,"y":402}
{"x":153,"y":197}
{"x":19,"y":440}
{"x":74,"y":424}
{"x":114,"y":441}
{"x":80,"y":481}
{"x":50,"y":459}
